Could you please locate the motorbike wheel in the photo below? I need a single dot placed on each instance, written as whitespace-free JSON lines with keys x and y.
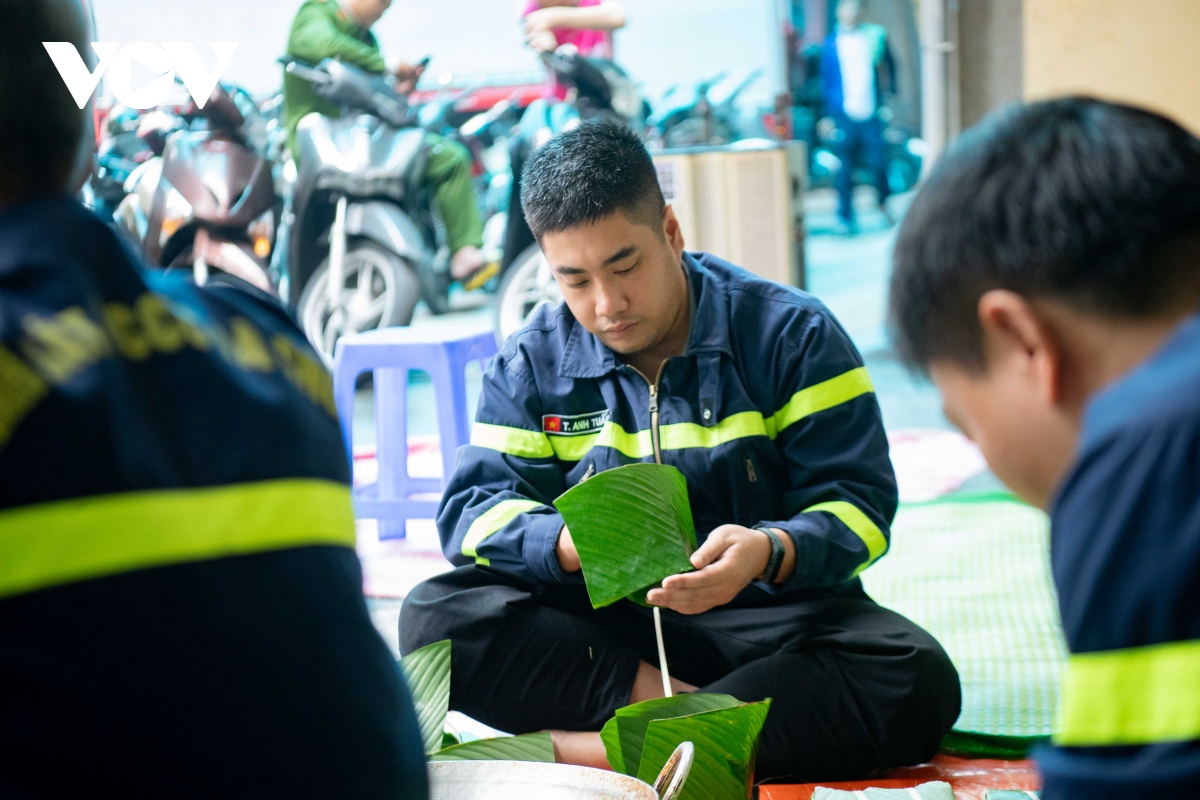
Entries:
{"x":379,"y":290}
{"x":527,"y":285}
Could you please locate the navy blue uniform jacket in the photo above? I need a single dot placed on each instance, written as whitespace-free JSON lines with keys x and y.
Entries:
{"x":769,"y":414}
{"x":1125,"y":548}
{"x":181,"y":609}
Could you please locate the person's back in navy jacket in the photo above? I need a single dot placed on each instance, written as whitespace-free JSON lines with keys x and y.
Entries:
{"x":1047,"y":277}
{"x":755,"y":393}
{"x":181,"y":610}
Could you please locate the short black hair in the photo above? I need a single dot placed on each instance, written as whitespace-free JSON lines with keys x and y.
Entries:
{"x":41,"y":127}
{"x":1075,"y":199}
{"x":588,"y":173}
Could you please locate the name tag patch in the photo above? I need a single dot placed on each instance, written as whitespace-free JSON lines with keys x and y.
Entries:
{"x":576,"y":425}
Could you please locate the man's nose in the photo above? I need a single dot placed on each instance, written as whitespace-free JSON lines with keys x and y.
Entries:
{"x":610,"y":300}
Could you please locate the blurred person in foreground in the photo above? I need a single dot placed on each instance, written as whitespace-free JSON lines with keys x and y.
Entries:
{"x":756,"y":394}
{"x":858,"y":74}
{"x":181,"y":609}
{"x":341,"y":29}
{"x":586,"y":24}
{"x":1047,"y":278}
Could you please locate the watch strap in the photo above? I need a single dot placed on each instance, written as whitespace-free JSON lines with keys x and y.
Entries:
{"x":775,"y":562}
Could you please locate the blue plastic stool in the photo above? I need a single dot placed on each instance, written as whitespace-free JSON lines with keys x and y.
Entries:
{"x":390,"y":353}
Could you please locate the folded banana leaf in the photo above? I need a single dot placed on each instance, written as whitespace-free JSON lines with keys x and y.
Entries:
{"x":640,"y":738}
{"x":632,"y":527}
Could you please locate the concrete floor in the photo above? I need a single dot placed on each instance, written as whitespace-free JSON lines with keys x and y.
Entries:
{"x":850,"y":276}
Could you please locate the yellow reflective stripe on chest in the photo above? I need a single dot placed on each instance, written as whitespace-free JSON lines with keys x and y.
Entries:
{"x":853,"y":518}
{"x":679,"y":435}
{"x":1142,"y":695}
{"x":72,"y":540}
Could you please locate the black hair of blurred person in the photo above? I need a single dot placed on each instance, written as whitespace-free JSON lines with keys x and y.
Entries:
{"x":587,"y":174}
{"x":45,"y":138}
{"x":1089,"y":203}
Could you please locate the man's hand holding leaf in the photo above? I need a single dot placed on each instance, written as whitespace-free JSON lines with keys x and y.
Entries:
{"x":728,"y":561}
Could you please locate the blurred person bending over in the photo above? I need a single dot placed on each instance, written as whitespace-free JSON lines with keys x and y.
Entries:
{"x":181,"y":609}
{"x":341,"y":29}
{"x":858,"y":73}
{"x":757,"y":395}
{"x":586,"y":24}
{"x":1047,"y":278}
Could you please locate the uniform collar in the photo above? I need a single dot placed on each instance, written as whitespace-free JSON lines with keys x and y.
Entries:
{"x":585,"y":356}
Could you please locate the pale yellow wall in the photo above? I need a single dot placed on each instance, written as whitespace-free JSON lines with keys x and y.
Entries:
{"x":1140,"y":51}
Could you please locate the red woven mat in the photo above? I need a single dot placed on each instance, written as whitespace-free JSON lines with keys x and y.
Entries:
{"x":970,"y":778}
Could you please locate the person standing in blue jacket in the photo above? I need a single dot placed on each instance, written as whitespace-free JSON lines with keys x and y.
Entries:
{"x":756,"y":394}
{"x":181,"y":608}
{"x":858,"y":74}
{"x":1047,"y":278}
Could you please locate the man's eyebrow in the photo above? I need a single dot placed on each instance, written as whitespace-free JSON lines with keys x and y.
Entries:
{"x":620,"y":255}
{"x":570,"y":271}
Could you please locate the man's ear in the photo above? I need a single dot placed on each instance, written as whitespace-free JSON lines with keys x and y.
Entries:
{"x":1014,"y":330}
{"x":671,"y":231}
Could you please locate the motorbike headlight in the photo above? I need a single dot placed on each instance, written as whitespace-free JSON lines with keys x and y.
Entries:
{"x":262,"y":234}
{"x":176,"y":213}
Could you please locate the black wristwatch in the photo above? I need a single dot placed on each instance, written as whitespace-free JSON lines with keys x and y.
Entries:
{"x":775,"y":562}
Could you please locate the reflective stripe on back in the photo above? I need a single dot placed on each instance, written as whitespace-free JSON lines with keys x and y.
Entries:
{"x":493,"y":520}
{"x":71,"y":540}
{"x":862,"y":526}
{"x":1142,"y":695}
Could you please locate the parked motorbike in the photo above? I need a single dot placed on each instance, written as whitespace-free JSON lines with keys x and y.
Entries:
{"x":208,"y":202}
{"x":359,"y":244}
{"x":120,"y":150}
{"x":596,"y":88}
{"x":704,"y":114}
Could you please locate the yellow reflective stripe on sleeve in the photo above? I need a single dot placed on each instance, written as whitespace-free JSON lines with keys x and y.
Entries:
{"x":1142,"y":695}
{"x":822,"y":396}
{"x":72,"y":540}
{"x":493,"y":520}
{"x":854,"y":519}
{"x":513,"y":441}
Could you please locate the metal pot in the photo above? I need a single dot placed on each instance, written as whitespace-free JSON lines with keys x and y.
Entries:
{"x":524,"y":780}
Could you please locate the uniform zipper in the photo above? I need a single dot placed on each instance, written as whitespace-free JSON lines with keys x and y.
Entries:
{"x":654,"y":434}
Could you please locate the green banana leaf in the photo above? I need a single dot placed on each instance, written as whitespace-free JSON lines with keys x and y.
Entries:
{"x":640,"y":738}
{"x":632,"y":527}
{"x":427,"y":672}
{"x":527,"y":747}
{"x":726,"y":742}
{"x":623,"y":734}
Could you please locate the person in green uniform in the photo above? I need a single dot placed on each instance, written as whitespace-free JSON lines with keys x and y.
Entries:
{"x":341,"y":29}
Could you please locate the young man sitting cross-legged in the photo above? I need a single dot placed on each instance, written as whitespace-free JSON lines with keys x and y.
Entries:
{"x":757,"y":395}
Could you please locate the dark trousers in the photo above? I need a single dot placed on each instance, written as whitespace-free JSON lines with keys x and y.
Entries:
{"x":859,"y":141}
{"x":854,"y":687}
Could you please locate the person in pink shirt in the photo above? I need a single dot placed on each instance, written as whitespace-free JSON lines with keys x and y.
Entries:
{"x":587,"y":24}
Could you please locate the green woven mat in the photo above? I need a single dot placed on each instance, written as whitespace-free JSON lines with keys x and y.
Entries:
{"x":974,"y":571}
